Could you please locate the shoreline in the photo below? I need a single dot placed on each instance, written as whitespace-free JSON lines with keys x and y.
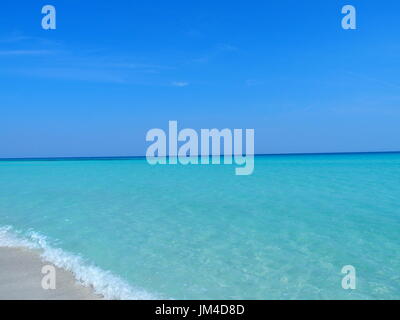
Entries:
{"x":21,"y":278}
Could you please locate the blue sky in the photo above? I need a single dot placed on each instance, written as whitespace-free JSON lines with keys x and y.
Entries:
{"x":112,"y":70}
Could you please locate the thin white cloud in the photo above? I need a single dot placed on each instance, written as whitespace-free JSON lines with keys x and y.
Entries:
{"x":253,"y":82}
{"x":24,"y":52}
{"x":371,"y":79}
{"x":226,"y":47}
{"x":17,"y":38}
{"x":180,"y":84}
{"x":139,"y":66}
{"x":217,"y":51}
{"x":74,"y":74}
{"x":14,"y":38}
{"x":96,"y":65}
{"x":194,"y":33}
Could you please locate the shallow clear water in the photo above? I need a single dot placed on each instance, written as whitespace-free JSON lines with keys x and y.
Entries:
{"x":201,"y":232}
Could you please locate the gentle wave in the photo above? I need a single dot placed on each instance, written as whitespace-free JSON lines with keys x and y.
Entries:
{"x":103,"y":282}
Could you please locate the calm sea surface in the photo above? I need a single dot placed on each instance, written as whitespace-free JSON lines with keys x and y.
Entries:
{"x":200,"y":232}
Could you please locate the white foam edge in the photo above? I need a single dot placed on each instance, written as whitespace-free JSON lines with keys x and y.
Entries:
{"x":103,"y":282}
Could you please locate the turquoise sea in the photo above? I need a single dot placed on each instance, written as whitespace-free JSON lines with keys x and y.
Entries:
{"x":135,"y":231}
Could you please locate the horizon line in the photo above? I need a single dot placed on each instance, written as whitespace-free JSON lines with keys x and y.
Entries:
{"x":134,"y":157}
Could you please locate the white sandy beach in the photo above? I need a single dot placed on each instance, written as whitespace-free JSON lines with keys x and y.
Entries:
{"x":21,"y":278}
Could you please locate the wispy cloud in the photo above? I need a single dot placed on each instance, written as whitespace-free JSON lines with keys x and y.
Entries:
{"x":18,"y":44}
{"x":253,"y":82}
{"x":180,"y":84}
{"x":25,"y":52}
{"x":374,"y":80}
{"x":139,"y":67}
{"x":194,"y":33}
{"x":83,"y":64}
{"x":17,"y":38}
{"x":217,"y":51}
{"x":76,"y":74}
{"x":226,"y":47}
{"x":14,"y":38}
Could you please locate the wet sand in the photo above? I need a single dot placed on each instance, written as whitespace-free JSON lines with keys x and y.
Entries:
{"x":21,"y":279}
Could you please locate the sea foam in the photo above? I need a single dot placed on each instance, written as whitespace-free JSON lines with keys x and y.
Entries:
{"x":103,"y":282}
